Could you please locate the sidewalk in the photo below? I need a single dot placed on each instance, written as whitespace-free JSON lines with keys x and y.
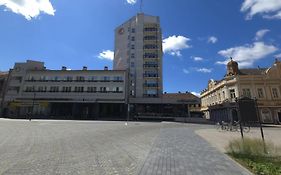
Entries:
{"x":220,"y":139}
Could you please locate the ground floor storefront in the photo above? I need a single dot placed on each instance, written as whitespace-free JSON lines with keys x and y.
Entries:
{"x":98,"y":110}
{"x":66,"y":110}
{"x":229,"y":112}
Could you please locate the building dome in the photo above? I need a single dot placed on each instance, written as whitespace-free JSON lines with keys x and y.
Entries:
{"x":232,"y":68}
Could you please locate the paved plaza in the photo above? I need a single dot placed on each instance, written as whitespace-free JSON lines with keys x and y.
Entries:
{"x":93,"y":147}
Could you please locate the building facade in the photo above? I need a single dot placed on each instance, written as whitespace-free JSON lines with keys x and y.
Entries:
{"x":87,"y":94}
{"x":134,"y":88}
{"x":138,"y":48}
{"x":263,"y":84}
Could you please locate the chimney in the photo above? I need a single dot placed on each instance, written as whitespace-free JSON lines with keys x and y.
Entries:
{"x":105,"y":68}
{"x":63,"y":68}
{"x":85,"y":68}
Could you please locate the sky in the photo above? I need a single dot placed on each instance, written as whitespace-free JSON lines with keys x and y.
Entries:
{"x":199,"y":36}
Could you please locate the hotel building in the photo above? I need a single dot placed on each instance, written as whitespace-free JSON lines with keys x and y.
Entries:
{"x":138,"y":48}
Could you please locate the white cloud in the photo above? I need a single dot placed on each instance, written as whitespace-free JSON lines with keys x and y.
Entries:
{"x":212,"y":39}
{"x":185,"y":71}
{"x":106,"y":54}
{"x":29,"y":8}
{"x":267,"y":8}
{"x":132,"y":1}
{"x":278,"y":56}
{"x":247,"y":54}
{"x":204,"y":70}
{"x":196,"y":94}
{"x":174,"y":44}
{"x":197,"y":58}
{"x":260,"y":34}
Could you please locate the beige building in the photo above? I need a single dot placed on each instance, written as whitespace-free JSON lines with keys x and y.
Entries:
{"x":263,"y":84}
{"x":89,"y":93}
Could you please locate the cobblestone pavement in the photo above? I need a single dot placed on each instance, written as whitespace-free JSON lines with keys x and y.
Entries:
{"x":85,"y":147}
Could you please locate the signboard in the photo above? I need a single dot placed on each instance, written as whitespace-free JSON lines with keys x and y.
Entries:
{"x":248,"y":110}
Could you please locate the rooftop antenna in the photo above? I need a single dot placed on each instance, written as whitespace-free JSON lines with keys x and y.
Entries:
{"x":141,"y":6}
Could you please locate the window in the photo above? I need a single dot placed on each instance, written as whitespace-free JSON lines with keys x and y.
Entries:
{"x":132,"y":64}
{"x":132,"y":46}
{"x":150,"y":29}
{"x":42,"y":89}
{"x":102,"y":89}
{"x":106,"y":78}
{"x":42,"y":78}
{"x":132,"y":55}
{"x":92,"y":89}
{"x":30,"y":89}
{"x":232,"y":93}
{"x":275,"y":93}
{"x":93,"y":78}
{"x":117,"y":78}
{"x":151,"y":92}
{"x":133,"y":30}
{"x":57,"y":78}
{"x":68,"y":78}
{"x":246,"y":93}
{"x":150,"y":55}
{"x":260,"y":93}
{"x":66,"y":89}
{"x":117,"y":89}
{"x":150,"y":37}
{"x":80,"y":78}
{"x":54,"y":89}
{"x":133,"y":38}
{"x":79,"y":89}
{"x":150,"y":46}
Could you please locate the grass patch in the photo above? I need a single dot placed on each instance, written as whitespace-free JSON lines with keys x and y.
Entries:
{"x":259,"y":157}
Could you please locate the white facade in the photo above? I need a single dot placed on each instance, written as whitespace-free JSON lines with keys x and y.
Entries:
{"x":138,"y":48}
{"x":31,"y":83}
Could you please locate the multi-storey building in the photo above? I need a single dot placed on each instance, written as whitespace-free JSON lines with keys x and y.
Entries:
{"x":263,"y":84}
{"x":138,"y":48}
{"x":84,"y":93}
{"x":134,"y":87}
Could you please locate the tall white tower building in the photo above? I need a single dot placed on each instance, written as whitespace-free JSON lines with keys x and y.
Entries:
{"x":138,"y":48}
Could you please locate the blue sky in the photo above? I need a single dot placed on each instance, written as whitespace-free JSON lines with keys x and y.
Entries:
{"x":199,"y":35}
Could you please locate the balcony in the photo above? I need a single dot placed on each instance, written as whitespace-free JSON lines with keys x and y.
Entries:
{"x":150,"y":75}
{"x":150,"y":85}
{"x":150,"y":66}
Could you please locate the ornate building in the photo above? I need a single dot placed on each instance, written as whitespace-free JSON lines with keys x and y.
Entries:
{"x":263,"y":84}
